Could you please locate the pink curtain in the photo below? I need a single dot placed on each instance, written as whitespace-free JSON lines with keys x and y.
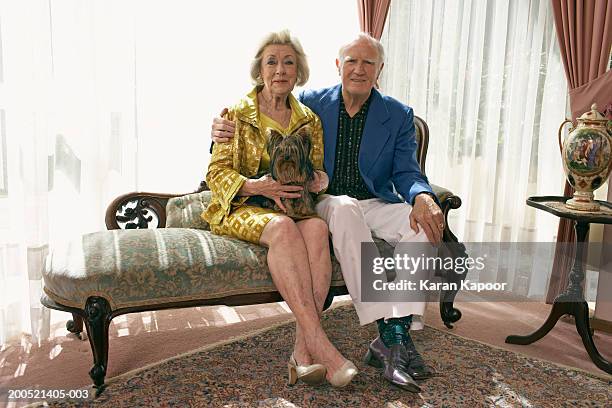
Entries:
{"x":584,"y":32}
{"x":372,"y":16}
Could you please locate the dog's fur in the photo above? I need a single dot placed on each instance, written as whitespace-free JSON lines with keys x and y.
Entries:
{"x":290,"y":164}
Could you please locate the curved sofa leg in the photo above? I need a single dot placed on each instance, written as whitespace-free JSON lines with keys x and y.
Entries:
{"x":75,"y":325}
{"x":97,"y":320}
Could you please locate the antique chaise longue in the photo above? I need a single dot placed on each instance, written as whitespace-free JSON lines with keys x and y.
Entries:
{"x":159,"y":254}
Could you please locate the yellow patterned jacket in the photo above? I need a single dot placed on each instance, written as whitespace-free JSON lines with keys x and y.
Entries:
{"x":234,"y":162}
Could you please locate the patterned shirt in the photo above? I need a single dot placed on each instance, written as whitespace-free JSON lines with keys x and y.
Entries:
{"x":347,"y":179}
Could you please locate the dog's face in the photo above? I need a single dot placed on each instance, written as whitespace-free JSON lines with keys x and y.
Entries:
{"x":290,"y":156}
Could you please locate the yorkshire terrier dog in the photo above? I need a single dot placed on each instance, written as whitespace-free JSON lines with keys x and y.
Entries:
{"x":290,"y":164}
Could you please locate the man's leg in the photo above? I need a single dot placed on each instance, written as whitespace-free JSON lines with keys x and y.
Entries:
{"x":391,"y":223}
{"x":348,"y":230}
{"x":348,"y":227}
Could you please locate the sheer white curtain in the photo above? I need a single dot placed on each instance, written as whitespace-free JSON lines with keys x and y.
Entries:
{"x":67,"y":94}
{"x":488,"y":79}
{"x":102,"y":97}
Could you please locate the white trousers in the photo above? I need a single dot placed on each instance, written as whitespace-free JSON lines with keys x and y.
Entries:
{"x":352,"y":222}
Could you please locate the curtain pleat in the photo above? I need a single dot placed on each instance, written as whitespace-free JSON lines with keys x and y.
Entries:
{"x":372,"y":16}
{"x":584,"y":33}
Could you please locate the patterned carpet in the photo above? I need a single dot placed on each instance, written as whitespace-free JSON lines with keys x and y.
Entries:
{"x":251,"y":372}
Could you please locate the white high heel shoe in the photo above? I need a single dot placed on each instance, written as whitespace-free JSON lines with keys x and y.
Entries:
{"x":313,"y":374}
{"x":344,"y":375}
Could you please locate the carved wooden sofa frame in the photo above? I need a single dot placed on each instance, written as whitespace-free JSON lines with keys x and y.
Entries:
{"x":143,"y":208}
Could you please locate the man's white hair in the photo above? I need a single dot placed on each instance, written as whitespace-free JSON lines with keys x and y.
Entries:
{"x":363,"y":37}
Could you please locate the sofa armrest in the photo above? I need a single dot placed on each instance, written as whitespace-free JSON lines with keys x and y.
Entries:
{"x":446,"y":197}
{"x":453,"y":248}
{"x":138,"y":210}
{"x":448,"y":201}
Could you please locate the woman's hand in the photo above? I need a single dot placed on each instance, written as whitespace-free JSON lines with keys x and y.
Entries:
{"x":320,"y":182}
{"x":268,"y":187}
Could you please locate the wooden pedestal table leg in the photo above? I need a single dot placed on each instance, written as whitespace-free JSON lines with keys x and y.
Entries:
{"x":558,"y":310}
{"x":565,"y":302}
{"x":574,"y":296}
{"x":571,"y":302}
{"x":581,"y":315}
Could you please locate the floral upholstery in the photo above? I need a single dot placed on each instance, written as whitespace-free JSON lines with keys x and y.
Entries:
{"x":185,"y":211}
{"x":156,"y":266}
{"x":152,"y":267}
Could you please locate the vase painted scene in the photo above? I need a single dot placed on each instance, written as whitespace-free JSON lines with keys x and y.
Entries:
{"x":587,"y":155}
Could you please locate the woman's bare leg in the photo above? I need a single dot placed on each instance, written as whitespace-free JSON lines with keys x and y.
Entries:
{"x":316,"y":237}
{"x":289,"y":266}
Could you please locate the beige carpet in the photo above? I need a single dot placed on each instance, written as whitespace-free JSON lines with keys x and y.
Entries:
{"x":140,"y":339}
{"x":251,"y":372}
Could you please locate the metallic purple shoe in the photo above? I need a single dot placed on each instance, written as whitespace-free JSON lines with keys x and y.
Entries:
{"x":416,"y":366}
{"x":413,"y":363}
{"x":391,"y":360}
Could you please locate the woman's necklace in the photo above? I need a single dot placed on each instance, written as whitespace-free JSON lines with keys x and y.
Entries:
{"x":282,"y":117}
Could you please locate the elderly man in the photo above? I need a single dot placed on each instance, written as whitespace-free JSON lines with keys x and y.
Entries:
{"x":369,"y":149}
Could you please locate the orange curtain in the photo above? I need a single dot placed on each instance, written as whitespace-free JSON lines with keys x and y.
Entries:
{"x":372,"y":16}
{"x":584,"y":32}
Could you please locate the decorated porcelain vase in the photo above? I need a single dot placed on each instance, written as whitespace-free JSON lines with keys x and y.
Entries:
{"x":587,"y":158}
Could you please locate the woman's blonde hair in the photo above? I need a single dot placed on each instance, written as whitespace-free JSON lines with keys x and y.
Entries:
{"x":283,"y":37}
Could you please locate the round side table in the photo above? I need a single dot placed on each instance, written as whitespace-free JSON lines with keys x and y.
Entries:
{"x":571,"y":301}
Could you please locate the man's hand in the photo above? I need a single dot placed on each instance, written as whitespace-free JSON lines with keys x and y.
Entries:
{"x":268,"y":187}
{"x":222,"y":130}
{"x":320,"y":181}
{"x":428,"y":215}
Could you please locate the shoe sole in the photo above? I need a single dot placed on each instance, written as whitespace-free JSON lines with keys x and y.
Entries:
{"x":425,"y":377}
{"x":314,"y":378}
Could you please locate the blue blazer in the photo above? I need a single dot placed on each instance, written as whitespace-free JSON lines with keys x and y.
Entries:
{"x":387,"y":155}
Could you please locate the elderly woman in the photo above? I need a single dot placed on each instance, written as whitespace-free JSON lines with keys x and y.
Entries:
{"x":298,"y":251}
